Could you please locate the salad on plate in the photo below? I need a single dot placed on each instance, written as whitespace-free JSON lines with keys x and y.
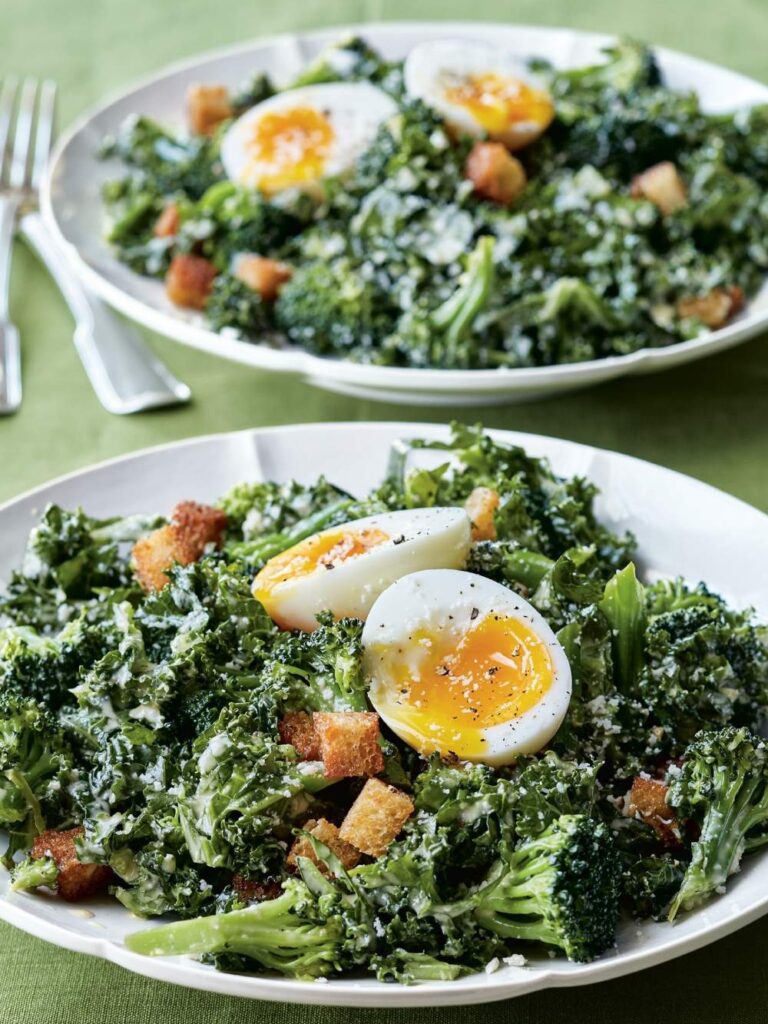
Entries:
{"x":458,"y":209}
{"x":430,"y":730}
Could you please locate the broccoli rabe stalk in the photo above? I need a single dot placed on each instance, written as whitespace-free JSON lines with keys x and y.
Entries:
{"x":723,"y":787}
{"x":560,"y":888}
{"x":32,"y":873}
{"x":457,"y":314}
{"x":623,"y":605}
{"x":313,"y":929}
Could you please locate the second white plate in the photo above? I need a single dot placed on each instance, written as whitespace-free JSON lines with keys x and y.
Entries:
{"x":72,"y":207}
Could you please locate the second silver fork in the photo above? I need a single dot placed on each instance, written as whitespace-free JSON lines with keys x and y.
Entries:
{"x":126,"y":376}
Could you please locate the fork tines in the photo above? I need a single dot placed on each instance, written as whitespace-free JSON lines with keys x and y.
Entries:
{"x":27,"y":114}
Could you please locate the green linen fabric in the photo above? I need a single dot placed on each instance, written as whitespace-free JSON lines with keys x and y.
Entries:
{"x":709,"y":419}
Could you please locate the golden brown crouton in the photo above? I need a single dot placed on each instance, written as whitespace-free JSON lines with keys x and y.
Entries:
{"x":648,"y":802}
{"x":189,"y":280}
{"x":167,"y":224}
{"x":263,"y":275}
{"x":250,"y":891}
{"x":480,"y":507}
{"x":76,"y":881}
{"x":349,"y":743}
{"x":298,"y":729}
{"x":713,"y":309}
{"x":661,"y":185}
{"x":327,"y":833}
{"x":495,"y":174}
{"x":192,"y":528}
{"x":207,"y":107}
{"x":376,"y":817}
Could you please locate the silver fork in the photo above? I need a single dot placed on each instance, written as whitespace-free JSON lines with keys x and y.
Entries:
{"x":126,"y":376}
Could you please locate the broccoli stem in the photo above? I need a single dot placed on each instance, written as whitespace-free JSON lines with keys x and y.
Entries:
{"x":30,"y":874}
{"x":264,"y":548}
{"x":272,"y":933}
{"x":456,"y":315}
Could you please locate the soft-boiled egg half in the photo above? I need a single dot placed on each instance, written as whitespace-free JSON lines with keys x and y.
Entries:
{"x":480,"y":89}
{"x":298,"y":137}
{"x":458,"y":664}
{"x":344,"y":569}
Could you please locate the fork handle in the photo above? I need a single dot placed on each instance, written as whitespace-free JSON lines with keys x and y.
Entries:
{"x":126,"y":376}
{"x":10,"y":356}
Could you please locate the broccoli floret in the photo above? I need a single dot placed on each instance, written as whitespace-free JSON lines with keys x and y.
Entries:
{"x":329,"y":307}
{"x":723,"y":787}
{"x":32,"y":873}
{"x":561,"y":888}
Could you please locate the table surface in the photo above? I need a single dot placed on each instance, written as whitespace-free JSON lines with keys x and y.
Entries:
{"x":707,"y":419}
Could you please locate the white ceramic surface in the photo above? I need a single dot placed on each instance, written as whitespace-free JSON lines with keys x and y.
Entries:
{"x":72,"y":207}
{"x":683,"y":527}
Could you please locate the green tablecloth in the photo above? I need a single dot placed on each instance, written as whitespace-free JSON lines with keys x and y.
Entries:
{"x":708,"y":419}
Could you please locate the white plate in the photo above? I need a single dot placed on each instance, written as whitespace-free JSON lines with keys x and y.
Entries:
{"x":73,"y":208}
{"x":683,"y":527}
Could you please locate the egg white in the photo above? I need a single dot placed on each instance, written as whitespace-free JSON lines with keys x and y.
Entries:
{"x":432,"y":66}
{"x":450,"y":602}
{"x":425,"y":538}
{"x":355,"y":110}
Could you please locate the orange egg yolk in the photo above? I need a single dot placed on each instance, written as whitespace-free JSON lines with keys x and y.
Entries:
{"x":288,"y":148}
{"x":496,"y":102}
{"x":320,"y":552}
{"x":498,"y":670}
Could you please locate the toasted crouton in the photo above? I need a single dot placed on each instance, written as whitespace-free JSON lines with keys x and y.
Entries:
{"x":376,"y":817}
{"x":298,"y":729}
{"x":349,"y":743}
{"x":76,"y":881}
{"x":167,"y":224}
{"x":189,"y":280}
{"x":207,"y":107}
{"x":661,"y":185}
{"x":648,"y":802}
{"x":263,"y":275}
{"x":250,"y":891}
{"x":713,"y":309}
{"x":192,"y":528}
{"x":480,"y":507}
{"x":495,"y":174}
{"x":327,"y":833}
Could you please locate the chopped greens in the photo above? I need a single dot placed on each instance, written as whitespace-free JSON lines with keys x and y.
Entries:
{"x":159,"y":735}
{"x":403,"y":262}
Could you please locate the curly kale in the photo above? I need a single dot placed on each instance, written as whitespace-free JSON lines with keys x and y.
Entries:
{"x":723,"y":787}
{"x":36,"y":765}
{"x":70,"y":559}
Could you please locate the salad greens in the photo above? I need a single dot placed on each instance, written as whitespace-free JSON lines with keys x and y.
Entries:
{"x":403,"y":263}
{"x":148,"y":728}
